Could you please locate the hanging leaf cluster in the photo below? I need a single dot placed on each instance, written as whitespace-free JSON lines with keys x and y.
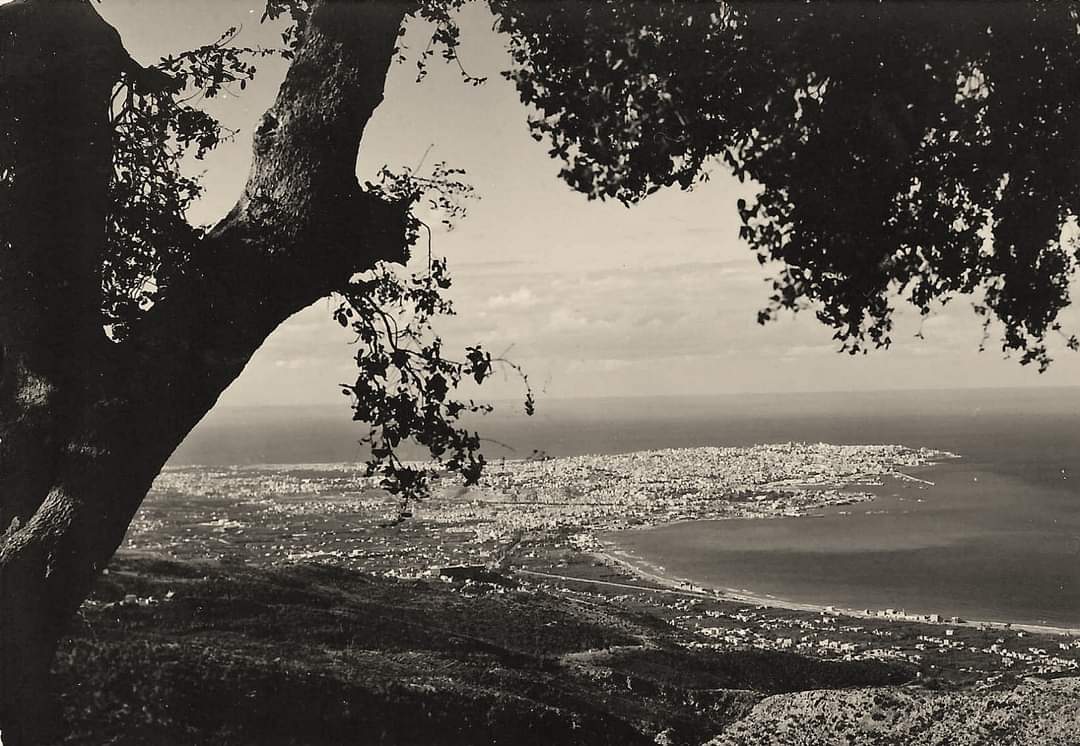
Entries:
{"x":405,"y":384}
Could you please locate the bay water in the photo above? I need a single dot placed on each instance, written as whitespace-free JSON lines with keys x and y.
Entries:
{"x":996,"y":537}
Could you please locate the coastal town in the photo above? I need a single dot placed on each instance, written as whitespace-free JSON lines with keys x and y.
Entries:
{"x":650,"y":487}
{"x":535,"y":523}
{"x":332,"y":512}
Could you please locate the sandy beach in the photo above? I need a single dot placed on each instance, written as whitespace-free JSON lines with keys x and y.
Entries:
{"x":614,"y":555}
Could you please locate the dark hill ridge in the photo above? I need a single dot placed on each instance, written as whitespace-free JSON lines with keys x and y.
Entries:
{"x":190,"y":653}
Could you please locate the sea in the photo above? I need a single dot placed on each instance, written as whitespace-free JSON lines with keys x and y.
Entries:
{"x":995,"y":537}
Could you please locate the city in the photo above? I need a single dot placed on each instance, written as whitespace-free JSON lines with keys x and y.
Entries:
{"x":536,"y":522}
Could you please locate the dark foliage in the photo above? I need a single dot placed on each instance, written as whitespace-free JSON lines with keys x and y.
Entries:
{"x":156,"y":124}
{"x":902,"y":149}
{"x":770,"y":671}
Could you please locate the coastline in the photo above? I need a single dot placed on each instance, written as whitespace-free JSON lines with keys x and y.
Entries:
{"x":613,"y":554}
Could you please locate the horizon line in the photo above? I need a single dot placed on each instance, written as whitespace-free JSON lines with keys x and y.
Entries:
{"x":717,"y":395}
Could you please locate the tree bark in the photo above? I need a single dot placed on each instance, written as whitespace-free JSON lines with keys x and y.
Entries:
{"x":86,"y":424}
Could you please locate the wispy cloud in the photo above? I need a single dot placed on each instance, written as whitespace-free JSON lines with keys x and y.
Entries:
{"x":522,"y":297}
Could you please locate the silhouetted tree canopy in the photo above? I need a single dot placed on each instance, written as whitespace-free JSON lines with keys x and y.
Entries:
{"x":922,"y":149}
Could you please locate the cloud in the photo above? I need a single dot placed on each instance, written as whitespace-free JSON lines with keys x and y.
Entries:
{"x":523,"y":297}
{"x":300,"y":363}
{"x":570,"y":320}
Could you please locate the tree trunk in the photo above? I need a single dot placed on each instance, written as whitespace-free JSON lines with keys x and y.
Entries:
{"x":86,"y":424}
{"x":58,"y":64}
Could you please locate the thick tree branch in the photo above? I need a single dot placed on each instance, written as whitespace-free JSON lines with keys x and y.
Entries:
{"x":303,"y":225}
{"x":302,"y":198}
{"x":85,"y":424}
{"x":301,"y":229}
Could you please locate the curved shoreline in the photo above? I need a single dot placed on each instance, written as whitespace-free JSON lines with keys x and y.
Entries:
{"x":641,"y":568}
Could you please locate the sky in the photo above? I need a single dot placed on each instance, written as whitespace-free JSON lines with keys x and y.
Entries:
{"x":592,"y":299}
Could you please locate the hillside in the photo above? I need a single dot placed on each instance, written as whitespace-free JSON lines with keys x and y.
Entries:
{"x":197,"y":652}
{"x":1035,"y":712}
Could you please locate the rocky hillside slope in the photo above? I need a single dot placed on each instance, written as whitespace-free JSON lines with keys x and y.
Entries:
{"x":1033,"y":713}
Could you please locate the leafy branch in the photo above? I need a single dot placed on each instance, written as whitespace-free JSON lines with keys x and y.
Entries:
{"x":156,"y":127}
{"x":405,"y":381}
